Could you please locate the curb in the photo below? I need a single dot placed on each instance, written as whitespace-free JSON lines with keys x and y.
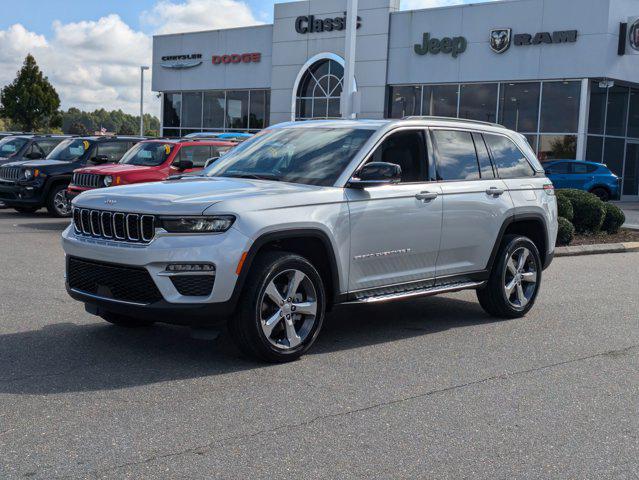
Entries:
{"x":597,"y":249}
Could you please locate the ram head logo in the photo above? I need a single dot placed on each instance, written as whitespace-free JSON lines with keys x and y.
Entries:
{"x":500,"y":39}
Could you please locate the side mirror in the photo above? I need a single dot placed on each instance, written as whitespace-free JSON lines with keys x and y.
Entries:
{"x":99,"y":159}
{"x":210,"y":161}
{"x":33,"y":155}
{"x":375,"y":174}
{"x":184,"y":165}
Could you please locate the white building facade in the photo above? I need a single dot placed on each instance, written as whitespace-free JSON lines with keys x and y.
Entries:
{"x":563,"y":72}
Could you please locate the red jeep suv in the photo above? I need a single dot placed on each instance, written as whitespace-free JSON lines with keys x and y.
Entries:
{"x":149,"y":161}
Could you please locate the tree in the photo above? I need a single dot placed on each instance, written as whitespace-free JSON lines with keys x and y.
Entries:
{"x":78,"y":129}
{"x":30,"y":101}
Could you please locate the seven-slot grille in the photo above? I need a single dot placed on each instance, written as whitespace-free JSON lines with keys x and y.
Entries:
{"x":119,"y":226}
{"x":10,"y":173}
{"x":87,"y":180}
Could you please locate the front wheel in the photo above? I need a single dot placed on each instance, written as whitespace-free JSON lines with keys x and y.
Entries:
{"x":514,"y":281}
{"x":602,"y":193}
{"x":281,"y":310}
{"x":57,"y":203}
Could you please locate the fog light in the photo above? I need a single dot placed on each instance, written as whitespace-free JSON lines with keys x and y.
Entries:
{"x":190,"y":267}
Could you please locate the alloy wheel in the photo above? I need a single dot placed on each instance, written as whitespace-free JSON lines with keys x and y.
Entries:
{"x":288,"y":309}
{"x":61,"y":203}
{"x":520,"y":277}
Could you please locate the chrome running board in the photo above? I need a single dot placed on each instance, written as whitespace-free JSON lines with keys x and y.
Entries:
{"x":423,"y":292}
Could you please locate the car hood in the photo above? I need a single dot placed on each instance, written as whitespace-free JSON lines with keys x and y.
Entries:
{"x":188,"y":196}
{"x":35,"y":163}
{"x":114,"y":169}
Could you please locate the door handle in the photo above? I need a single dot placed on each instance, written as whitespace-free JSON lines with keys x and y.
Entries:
{"x":426,"y":196}
{"x":495,"y":192}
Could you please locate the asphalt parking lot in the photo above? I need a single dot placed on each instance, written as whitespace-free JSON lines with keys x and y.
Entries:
{"x":427,"y":389}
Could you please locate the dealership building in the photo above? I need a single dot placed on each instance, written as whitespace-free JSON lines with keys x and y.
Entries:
{"x":565,"y":73}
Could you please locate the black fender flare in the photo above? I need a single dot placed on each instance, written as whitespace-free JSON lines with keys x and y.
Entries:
{"x":55,"y":180}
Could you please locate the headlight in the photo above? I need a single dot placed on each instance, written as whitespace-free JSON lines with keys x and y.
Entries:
{"x":215,"y":224}
{"x":28,"y":174}
{"x":108,"y":181}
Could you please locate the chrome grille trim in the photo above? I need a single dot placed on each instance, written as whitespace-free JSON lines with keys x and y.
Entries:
{"x":10,"y":173}
{"x":133,"y":227}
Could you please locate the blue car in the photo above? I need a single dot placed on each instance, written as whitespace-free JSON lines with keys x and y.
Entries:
{"x":590,"y":176}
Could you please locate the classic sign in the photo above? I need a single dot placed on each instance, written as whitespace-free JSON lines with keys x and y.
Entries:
{"x":237,"y":58}
{"x":181,"y":61}
{"x":450,"y":46}
{"x":309,"y":24}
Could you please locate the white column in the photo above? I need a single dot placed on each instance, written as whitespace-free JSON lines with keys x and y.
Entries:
{"x":349,"y":60}
{"x":142,"y":68}
{"x":584,"y":107}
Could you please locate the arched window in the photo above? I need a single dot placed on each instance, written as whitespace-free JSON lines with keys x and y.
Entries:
{"x":319,"y":91}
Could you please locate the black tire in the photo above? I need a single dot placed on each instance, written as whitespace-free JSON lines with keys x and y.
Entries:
{"x":493,"y":297}
{"x":52,"y":204}
{"x":602,"y":193}
{"x":246,"y":326}
{"x":26,"y":210}
{"x":124,"y":321}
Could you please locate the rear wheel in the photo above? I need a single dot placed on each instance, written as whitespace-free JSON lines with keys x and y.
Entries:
{"x":124,"y":321}
{"x":281,"y":310}
{"x":602,"y":193}
{"x":514,"y":281}
{"x":25,"y":210}
{"x":57,"y":203}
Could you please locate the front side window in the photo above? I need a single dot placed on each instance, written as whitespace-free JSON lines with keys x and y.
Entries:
{"x":197,"y":154}
{"x":456,"y":156}
{"x":509,"y":160}
{"x":46,"y":146}
{"x":148,"y":154}
{"x":10,"y":146}
{"x":312,"y":156}
{"x":70,"y":150}
{"x":114,"y":151}
{"x":406,"y":149}
{"x":559,"y":169}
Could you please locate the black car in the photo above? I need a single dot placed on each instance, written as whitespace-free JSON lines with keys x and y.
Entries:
{"x":17,"y":147}
{"x":29,"y":185}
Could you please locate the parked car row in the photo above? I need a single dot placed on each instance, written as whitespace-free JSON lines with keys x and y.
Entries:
{"x":50,"y":170}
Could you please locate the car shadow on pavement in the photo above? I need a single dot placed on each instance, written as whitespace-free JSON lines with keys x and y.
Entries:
{"x":68,"y":357}
{"x":53,"y":226}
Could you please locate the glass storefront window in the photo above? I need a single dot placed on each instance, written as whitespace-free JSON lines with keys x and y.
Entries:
{"x":192,"y":109}
{"x":440,"y":100}
{"x":214,"y":103}
{"x":519,"y":106}
{"x":172,"y":109}
{"x":613,"y":154}
{"x":257,"y":109}
{"x":557,"y":147}
{"x":594,"y":149}
{"x":532,"y":141}
{"x":171,"y":132}
{"x":319,"y":91}
{"x":237,"y":109}
{"x":633,"y":117}
{"x":617,"y":111}
{"x":597,"y":114}
{"x":405,"y":101}
{"x":478,"y":101}
{"x":560,"y":107}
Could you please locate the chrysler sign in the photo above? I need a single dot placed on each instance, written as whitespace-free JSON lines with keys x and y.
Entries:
{"x":180,"y":62}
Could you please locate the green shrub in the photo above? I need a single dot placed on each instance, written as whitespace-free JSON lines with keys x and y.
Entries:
{"x":565,"y":207}
{"x":614,"y":219}
{"x":566,"y":232}
{"x":588,"y":211}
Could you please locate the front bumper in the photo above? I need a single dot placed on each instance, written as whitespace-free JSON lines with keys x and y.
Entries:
{"x":223,"y":250}
{"x":15,"y":194}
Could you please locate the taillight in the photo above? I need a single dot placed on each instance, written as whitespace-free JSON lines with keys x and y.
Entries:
{"x":549,"y":188}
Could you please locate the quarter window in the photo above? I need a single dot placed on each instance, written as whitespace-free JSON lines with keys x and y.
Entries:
{"x":456,"y":156}
{"x":509,"y":160}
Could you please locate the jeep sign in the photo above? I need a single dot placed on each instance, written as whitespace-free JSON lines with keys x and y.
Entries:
{"x":450,"y":46}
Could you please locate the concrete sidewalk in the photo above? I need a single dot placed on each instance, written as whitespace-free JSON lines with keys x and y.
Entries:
{"x":631,"y":210}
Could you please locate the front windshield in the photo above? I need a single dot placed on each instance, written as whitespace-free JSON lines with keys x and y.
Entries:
{"x":149,"y":154}
{"x":9,"y":146}
{"x":69,"y":150}
{"x":308,"y":155}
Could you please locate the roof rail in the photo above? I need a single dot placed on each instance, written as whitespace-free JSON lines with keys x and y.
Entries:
{"x":451,"y":119}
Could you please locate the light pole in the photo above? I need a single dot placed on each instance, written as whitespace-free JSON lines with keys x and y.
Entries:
{"x":142,"y":68}
{"x":349,"y":60}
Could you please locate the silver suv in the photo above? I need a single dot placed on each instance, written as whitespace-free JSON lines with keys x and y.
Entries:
{"x":308,"y":215}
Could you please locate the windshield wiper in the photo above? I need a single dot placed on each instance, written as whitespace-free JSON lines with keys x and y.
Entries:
{"x":253,"y":176}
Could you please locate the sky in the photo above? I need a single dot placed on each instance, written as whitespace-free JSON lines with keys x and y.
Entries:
{"x":91,"y":50}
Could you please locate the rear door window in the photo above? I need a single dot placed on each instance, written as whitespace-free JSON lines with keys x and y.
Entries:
{"x":508,"y":158}
{"x":198,"y":154}
{"x":456,"y":155}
